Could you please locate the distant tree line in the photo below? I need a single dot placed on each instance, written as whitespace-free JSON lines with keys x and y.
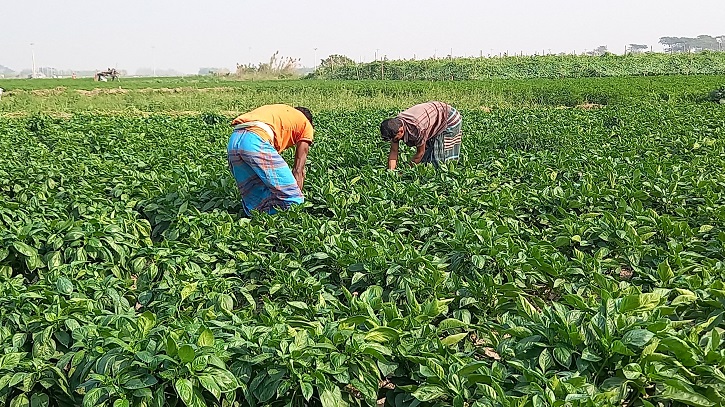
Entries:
{"x":699,"y":43}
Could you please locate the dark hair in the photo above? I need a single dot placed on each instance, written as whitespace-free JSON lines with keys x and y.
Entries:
{"x":389,"y":128}
{"x":305,"y":111}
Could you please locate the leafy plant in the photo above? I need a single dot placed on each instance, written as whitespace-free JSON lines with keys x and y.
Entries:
{"x":572,"y":257}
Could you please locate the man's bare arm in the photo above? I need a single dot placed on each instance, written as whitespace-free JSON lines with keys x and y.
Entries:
{"x":393,"y":155}
{"x":418,"y":155}
{"x":303,"y":147}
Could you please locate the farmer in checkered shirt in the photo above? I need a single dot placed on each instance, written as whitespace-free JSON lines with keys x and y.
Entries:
{"x":432,"y":128}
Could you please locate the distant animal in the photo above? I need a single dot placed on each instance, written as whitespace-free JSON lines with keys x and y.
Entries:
{"x":103,"y":76}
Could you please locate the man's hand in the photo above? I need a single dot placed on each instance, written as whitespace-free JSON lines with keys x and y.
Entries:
{"x":393,"y":155}
{"x":301,"y":150}
{"x":418,"y":157}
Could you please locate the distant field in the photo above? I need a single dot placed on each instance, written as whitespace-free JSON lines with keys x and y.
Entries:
{"x":199,"y":94}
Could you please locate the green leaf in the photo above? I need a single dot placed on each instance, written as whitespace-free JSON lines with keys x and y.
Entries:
{"x":681,"y":349}
{"x":382,"y":334}
{"x":10,"y":360}
{"x":332,"y":397}
{"x":307,"y":390}
{"x":146,"y":322}
{"x":189,"y":288}
{"x":637,"y":337}
{"x":478,"y":261}
{"x":527,"y":308}
{"x":387,"y":369}
{"x":226,"y":302}
{"x":91,"y":398}
{"x":206,"y":338}
{"x":620,"y":348}
{"x":451,"y":323}
{"x":207,"y":381}
{"x":454,"y":339}
{"x":186,"y":353}
{"x":39,"y":400}
{"x":64,"y":286}
{"x":639,"y":302}
{"x":357,"y":277}
{"x":434,"y":368}
{"x":320,"y":255}
{"x":19,"y":339}
{"x":563,"y":356}
{"x":20,"y":401}
{"x":298,"y":304}
{"x":171,"y":347}
{"x":685,"y":394}
{"x":140,"y":382}
{"x":545,"y":360}
{"x":470,"y":368}
{"x":25,"y":250}
{"x":34,"y":262}
{"x":429,"y":392}
{"x":590,"y":356}
{"x":687,"y":297}
{"x":121,"y":403}
{"x":632,"y":371}
{"x":714,"y":340}
{"x":188,"y":394}
{"x":224,"y":379}
{"x":664,"y":271}
{"x":376,"y":350}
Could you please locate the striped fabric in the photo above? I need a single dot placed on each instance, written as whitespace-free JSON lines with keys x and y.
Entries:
{"x":263,"y":177}
{"x":424,"y":121}
{"x":446,"y":145}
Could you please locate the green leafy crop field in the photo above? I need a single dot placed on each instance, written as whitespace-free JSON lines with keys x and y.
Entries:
{"x":530,"y":67}
{"x":575,"y":256}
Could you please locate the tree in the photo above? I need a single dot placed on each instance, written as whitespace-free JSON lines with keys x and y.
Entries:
{"x":637,"y":48}
{"x":4,"y":70}
{"x":687,"y":44}
{"x":335,"y":60}
{"x":703,"y":42}
{"x":673,"y":44}
{"x":598,"y":51}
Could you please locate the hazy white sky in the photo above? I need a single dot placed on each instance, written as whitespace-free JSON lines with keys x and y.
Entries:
{"x":189,"y":34}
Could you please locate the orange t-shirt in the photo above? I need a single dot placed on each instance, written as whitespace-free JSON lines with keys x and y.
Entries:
{"x":289,"y":125}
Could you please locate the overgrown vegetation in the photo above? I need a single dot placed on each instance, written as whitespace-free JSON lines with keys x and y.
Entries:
{"x":276,"y":68}
{"x":528,"y":67}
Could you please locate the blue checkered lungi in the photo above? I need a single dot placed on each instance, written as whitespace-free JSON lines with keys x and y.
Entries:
{"x":263,"y":177}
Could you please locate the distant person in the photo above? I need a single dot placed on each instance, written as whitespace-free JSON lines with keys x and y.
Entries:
{"x":1,"y":93}
{"x":433,"y":128}
{"x":264,"y":179}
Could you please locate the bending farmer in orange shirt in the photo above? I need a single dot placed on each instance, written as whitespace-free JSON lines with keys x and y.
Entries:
{"x":263,"y":177}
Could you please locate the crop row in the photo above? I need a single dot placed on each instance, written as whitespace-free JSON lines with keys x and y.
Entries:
{"x":573,"y":257}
